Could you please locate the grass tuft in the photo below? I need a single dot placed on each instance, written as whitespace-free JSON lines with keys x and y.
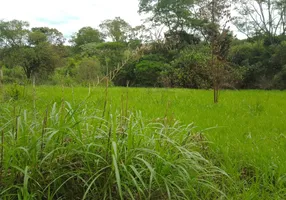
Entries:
{"x":74,"y":152}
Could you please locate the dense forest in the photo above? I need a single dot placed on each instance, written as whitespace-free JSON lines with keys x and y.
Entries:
{"x":182,"y":43}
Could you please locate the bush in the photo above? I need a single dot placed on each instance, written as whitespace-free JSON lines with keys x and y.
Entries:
{"x":191,"y":68}
{"x":14,"y":92}
{"x":279,"y":81}
{"x":84,"y":72}
{"x":148,"y":70}
{"x":88,"y":71}
{"x":60,"y":78}
{"x":14,"y":75}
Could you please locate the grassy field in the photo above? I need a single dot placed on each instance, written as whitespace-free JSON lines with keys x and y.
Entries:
{"x":132,"y":143}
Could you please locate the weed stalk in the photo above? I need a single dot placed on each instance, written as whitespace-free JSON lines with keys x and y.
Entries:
{"x":34,"y":99}
{"x":44,"y":130}
{"x":105,"y":101}
{"x":2,"y":155}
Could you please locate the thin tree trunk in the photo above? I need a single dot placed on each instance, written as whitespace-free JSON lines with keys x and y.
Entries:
{"x":216,"y":91}
{"x":214,"y":74}
{"x":1,"y":76}
{"x":34,"y":80}
{"x":214,"y":67}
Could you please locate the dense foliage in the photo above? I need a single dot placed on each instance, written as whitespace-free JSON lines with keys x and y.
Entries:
{"x":194,"y":50}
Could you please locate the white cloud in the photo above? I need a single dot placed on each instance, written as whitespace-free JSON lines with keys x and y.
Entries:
{"x":68,"y":16}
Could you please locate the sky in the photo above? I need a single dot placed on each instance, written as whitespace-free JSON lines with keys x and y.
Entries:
{"x":68,"y":16}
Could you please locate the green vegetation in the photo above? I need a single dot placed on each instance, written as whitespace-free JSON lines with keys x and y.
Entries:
{"x":183,"y":44}
{"x":66,"y":131}
{"x":129,"y":143}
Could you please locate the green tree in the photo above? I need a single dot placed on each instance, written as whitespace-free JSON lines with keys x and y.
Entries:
{"x":174,"y":14}
{"x":111,"y":55}
{"x":180,"y":39}
{"x":36,"y":37}
{"x":89,"y":71}
{"x":216,"y":14}
{"x":40,"y":60}
{"x":140,"y":33}
{"x":264,"y":62}
{"x":85,"y":36}
{"x":53,"y":36}
{"x":13,"y":33}
{"x":191,"y":68}
{"x":33,"y":50}
{"x":149,"y":69}
{"x":116,"y":29}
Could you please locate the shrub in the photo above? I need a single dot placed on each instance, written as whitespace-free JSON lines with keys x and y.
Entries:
{"x":14,"y":75}
{"x":13,"y":92}
{"x":191,"y":68}
{"x":280,"y":79}
{"x":88,"y":71}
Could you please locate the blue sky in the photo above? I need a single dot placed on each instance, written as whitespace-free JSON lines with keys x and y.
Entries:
{"x":68,"y":16}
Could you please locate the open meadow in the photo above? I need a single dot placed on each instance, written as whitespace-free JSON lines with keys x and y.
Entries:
{"x":141,"y":143}
{"x":143,"y":100}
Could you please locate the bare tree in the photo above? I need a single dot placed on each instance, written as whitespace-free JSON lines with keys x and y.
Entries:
{"x":260,"y":16}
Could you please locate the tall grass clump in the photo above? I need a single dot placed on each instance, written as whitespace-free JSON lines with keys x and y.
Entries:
{"x":81,"y":152}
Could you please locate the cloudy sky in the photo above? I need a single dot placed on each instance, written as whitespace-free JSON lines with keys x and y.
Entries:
{"x":68,"y":16}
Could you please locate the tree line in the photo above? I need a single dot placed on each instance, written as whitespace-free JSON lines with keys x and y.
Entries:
{"x":182,"y":43}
